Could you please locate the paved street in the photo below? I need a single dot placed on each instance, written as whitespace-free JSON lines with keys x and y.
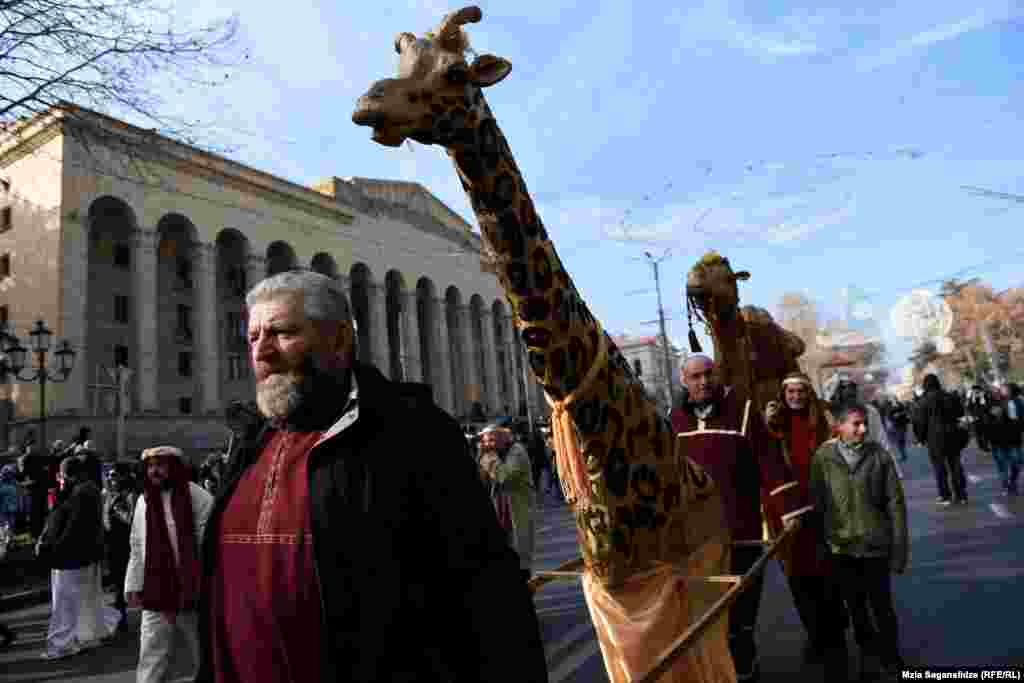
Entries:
{"x":958,"y":603}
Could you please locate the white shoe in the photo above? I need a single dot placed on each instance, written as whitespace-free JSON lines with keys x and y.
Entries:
{"x":61,"y":654}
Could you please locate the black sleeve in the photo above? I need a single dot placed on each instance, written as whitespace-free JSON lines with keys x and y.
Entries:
{"x":491,"y":609}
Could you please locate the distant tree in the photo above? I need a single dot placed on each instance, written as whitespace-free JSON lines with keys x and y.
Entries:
{"x":106,"y":55}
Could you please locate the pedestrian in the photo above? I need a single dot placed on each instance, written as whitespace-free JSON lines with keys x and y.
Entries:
{"x":97,"y":622}
{"x":936,"y":424}
{"x":118,"y":511}
{"x":163,"y":573}
{"x":8,"y":496}
{"x":797,"y":419}
{"x":71,"y":546}
{"x":860,"y":507}
{"x":976,"y":409}
{"x":897,"y":419}
{"x":36,"y":482}
{"x":507,"y":466}
{"x":351,"y":524}
{"x":1006,"y":426}
{"x":845,"y":390}
{"x":727,"y":437}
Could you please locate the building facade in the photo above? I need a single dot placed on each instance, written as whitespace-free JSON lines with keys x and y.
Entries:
{"x":646,"y":355}
{"x":140,"y":253}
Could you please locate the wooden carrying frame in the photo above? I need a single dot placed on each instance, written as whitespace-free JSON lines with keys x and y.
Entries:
{"x":573,"y":569}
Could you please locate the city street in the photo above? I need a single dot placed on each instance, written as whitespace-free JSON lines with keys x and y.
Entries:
{"x":957,"y":603}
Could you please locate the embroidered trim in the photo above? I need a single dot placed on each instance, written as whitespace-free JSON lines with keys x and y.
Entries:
{"x":270,"y":486}
{"x":784,"y":487}
{"x":710,"y":431}
{"x":746,"y":414}
{"x":796,"y":513}
{"x":267,"y":539}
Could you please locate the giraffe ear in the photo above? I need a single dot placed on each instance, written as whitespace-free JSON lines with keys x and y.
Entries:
{"x":488,"y":70}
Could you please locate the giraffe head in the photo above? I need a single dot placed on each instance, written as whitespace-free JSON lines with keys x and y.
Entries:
{"x":436,"y":98}
{"x":711,"y":287}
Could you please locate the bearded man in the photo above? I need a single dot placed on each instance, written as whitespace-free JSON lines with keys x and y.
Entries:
{"x":728,"y":438}
{"x":163,"y":569}
{"x":351,"y":524}
{"x":799,"y":424}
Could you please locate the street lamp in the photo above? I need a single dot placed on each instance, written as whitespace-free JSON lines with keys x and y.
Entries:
{"x":14,"y":363}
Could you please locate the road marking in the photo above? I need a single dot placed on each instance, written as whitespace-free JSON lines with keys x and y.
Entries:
{"x":1001,"y":510}
{"x":578,"y":632}
{"x":570,"y":665}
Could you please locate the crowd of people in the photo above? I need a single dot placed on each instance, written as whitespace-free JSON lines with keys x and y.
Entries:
{"x":333,"y":538}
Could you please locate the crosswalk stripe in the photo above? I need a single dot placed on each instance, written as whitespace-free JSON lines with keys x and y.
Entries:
{"x":574,"y":662}
{"x":1001,"y":511}
{"x":576,"y":633}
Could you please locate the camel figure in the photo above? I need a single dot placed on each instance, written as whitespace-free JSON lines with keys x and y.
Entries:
{"x":752,"y":351}
{"x":646,"y":515}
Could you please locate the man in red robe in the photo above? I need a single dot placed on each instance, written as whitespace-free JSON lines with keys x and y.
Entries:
{"x":799,"y":423}
{"x":727,"y":437}
{"x":351,"y":539}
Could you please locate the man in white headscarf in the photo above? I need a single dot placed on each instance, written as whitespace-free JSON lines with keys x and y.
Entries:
{"x":506,"y":464}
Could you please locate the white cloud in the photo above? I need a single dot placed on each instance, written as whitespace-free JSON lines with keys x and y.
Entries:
{"x":909,"y":46}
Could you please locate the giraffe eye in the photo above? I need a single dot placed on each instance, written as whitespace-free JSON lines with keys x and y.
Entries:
{"x":457,"y":73}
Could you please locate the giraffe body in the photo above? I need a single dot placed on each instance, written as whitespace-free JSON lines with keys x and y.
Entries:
{"x":640,"y":504}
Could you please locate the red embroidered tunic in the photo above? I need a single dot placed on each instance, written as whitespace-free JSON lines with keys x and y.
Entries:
{"x":731,"y":445}
{"x":802,"y":440}
{"x":266,"y":623}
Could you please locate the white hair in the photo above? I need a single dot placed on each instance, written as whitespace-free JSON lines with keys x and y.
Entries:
{"x":323,"y":298}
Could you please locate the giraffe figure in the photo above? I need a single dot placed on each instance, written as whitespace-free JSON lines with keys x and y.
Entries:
{"x":752,"y":351}
{"x":639,"y":504}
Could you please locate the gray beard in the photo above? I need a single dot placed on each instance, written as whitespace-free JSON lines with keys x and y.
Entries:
{"x":278,"y":397}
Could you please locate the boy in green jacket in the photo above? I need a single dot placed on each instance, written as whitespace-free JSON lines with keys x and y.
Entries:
{"x":859,"y":504}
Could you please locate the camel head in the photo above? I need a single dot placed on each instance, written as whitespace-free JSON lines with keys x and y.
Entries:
{"x":436,"y":99}
{"x":711,"y":287}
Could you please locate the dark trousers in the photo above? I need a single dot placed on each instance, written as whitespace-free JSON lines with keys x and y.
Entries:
{"x":949,"y":473}
{"x":821,"y":609}
{"x":118,"y":553}
{"x":866,"y":585}
{"x":743,"y":616}
{"x":38,"y":510}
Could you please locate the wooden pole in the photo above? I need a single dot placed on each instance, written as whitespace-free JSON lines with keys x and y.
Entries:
{"x":685,"y":641}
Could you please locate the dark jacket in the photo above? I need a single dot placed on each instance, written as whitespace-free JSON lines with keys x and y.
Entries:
{"x":417,"y":580}
{"x":861,"y":510}
{"x":1002,"y":431}
{"x":73,"y":537}
{"x":935,"y":422}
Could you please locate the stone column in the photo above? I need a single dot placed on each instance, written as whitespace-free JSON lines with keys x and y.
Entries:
{"x":474,"y":389}
{"x":256,"y":270}
{"x":379,"y":327}
{"x":144,"y":279}
{"x":512,"y":353}
{"x":73,"y":324}
{"x":493,"y":402}
{"x":209,"y":345}
{"x":445,"y":390}
{"x":411,"y":339}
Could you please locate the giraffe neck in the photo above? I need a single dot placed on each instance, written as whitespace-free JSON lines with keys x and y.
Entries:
{"x":553,"y":320}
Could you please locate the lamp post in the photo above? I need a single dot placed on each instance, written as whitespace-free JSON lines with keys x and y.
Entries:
{"x":13,"y":364}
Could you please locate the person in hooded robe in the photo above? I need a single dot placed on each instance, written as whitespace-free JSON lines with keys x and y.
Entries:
{"x":797,"y":421}
{"x":163,"y":575}
{"x":506,"y":465}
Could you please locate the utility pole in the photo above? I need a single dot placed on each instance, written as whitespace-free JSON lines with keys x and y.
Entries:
{"x":666,"y":348}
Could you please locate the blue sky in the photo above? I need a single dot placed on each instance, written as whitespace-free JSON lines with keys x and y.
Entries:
{"x":818,"y":147}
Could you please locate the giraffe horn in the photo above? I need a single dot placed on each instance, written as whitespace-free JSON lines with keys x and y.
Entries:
{"x":451,"y":22}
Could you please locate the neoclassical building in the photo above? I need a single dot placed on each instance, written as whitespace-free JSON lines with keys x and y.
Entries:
{"x":140,"y":253}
